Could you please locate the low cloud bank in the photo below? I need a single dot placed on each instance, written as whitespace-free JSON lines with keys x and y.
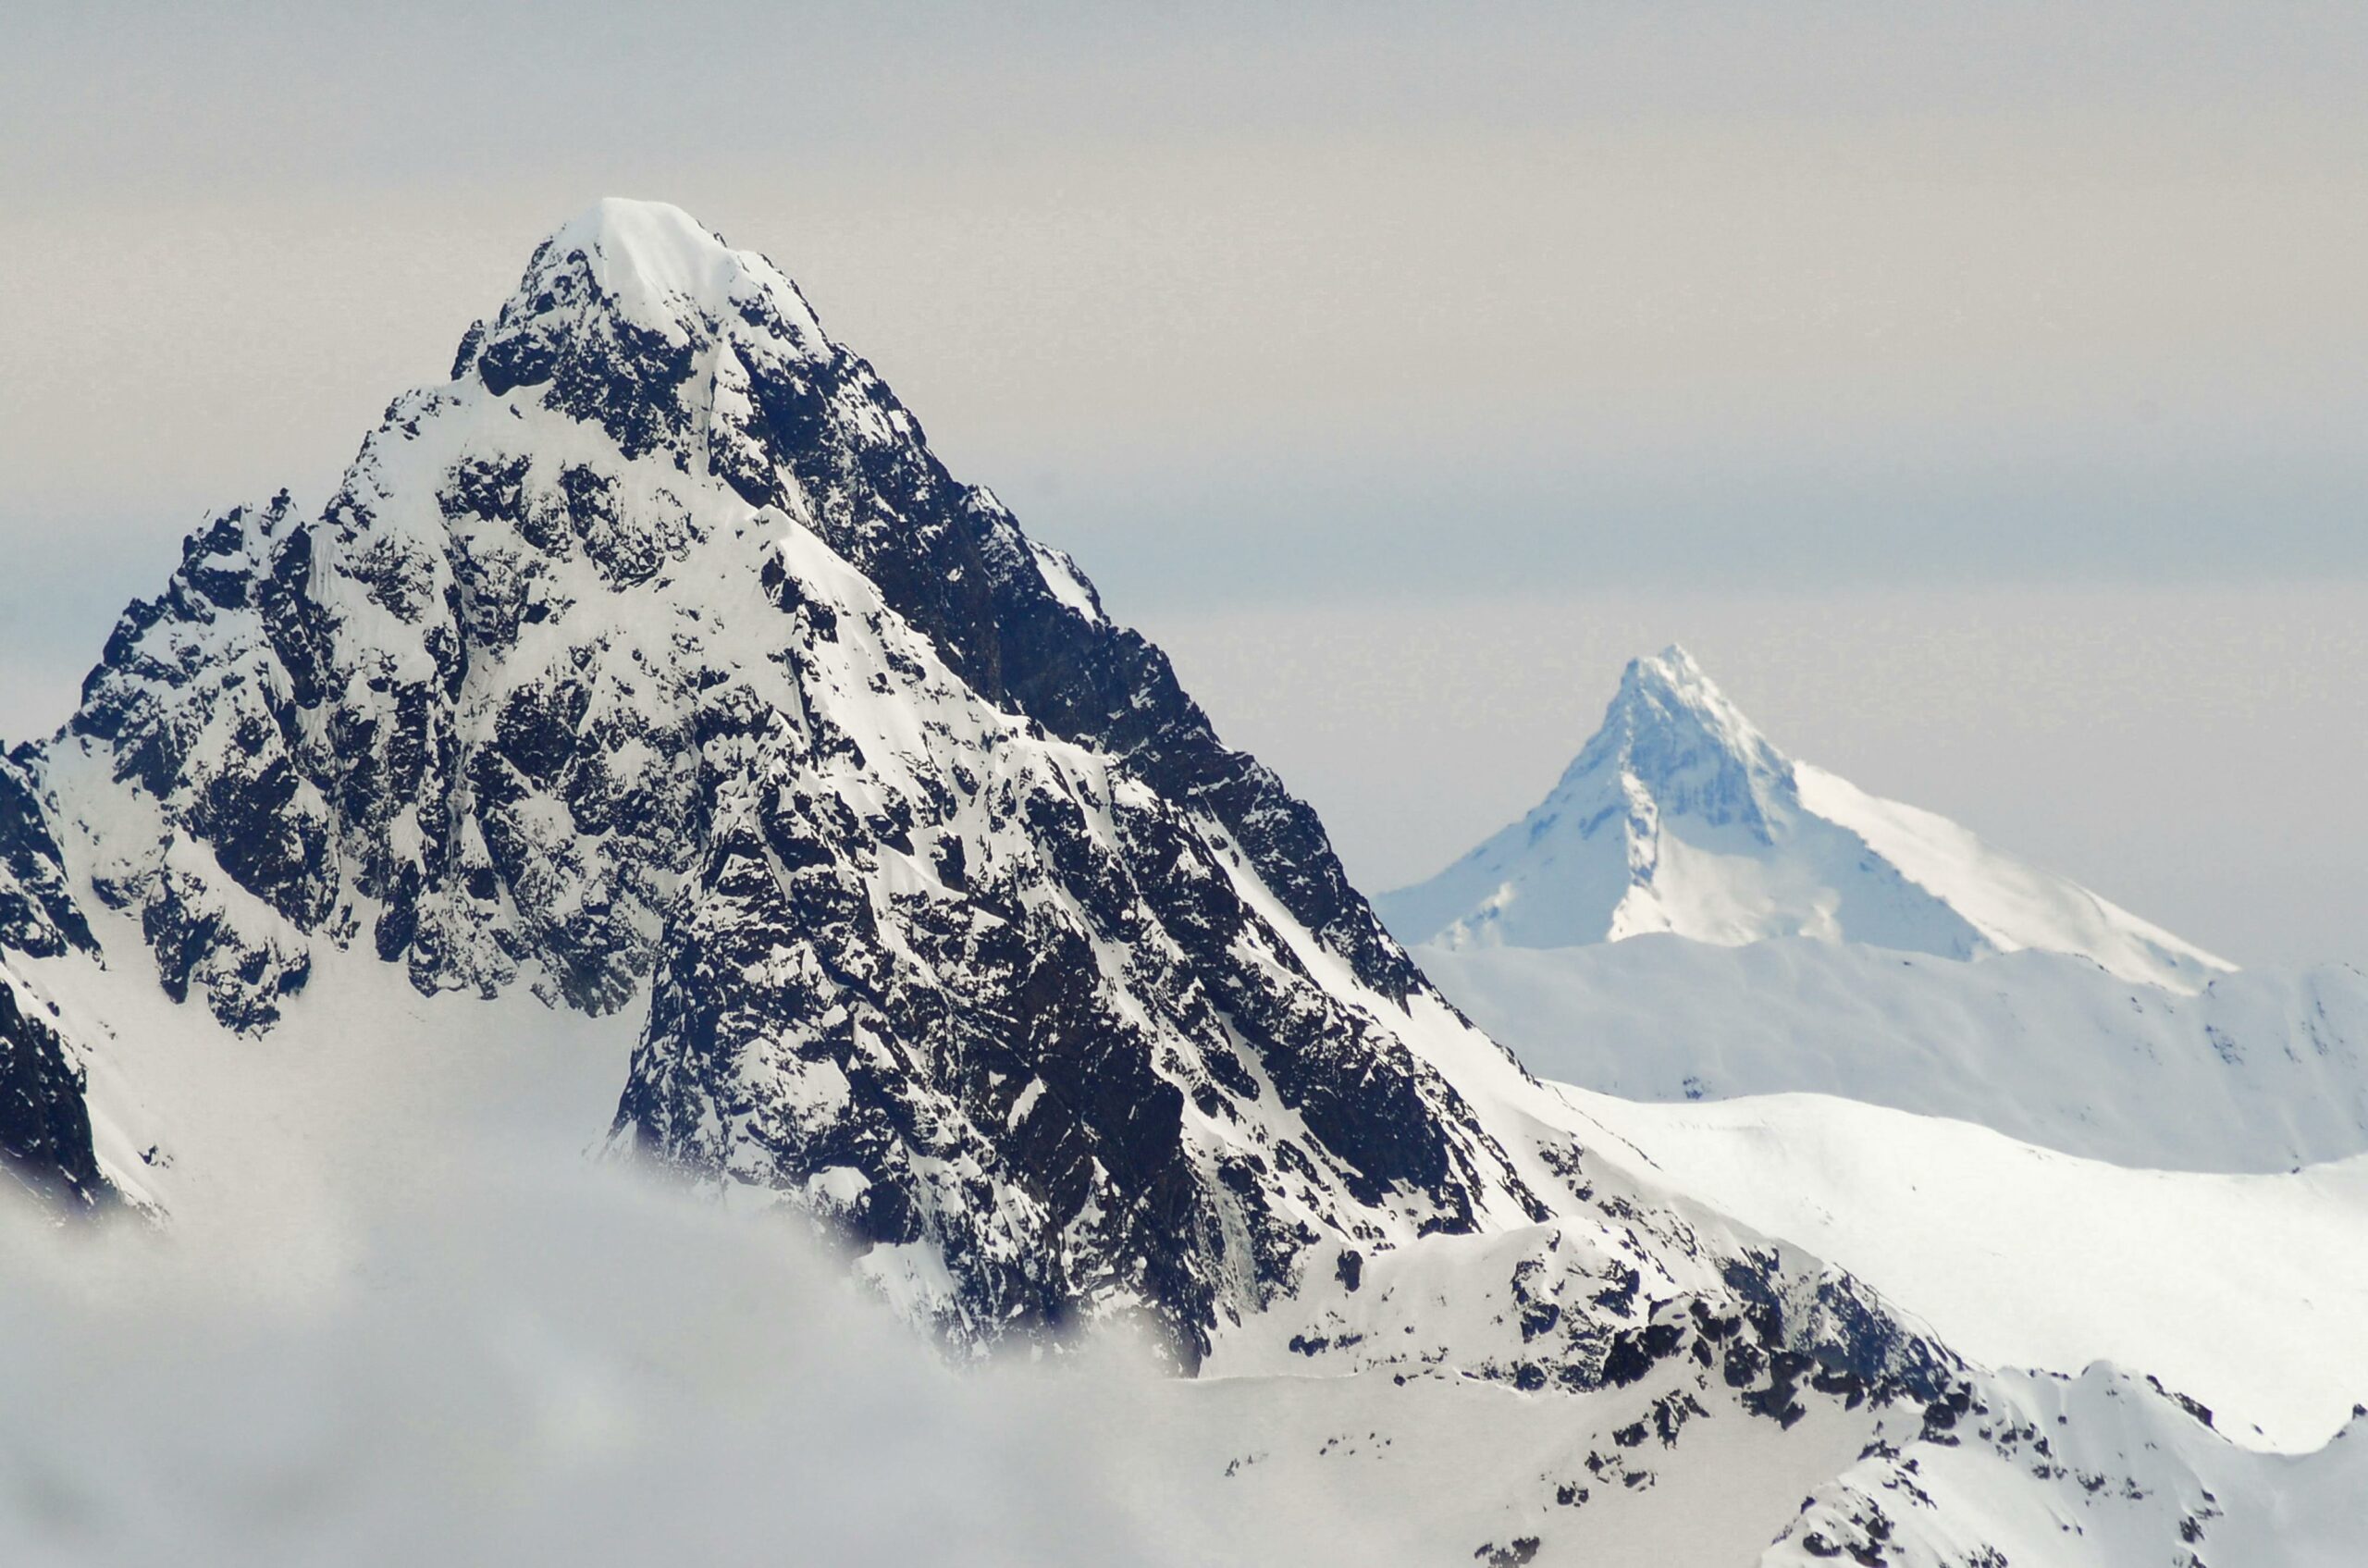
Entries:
{"x":565,"y":1367}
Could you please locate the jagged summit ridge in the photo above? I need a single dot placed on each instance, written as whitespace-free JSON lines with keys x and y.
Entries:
{"x":654,"y":266}
{"x":1680,"y":816}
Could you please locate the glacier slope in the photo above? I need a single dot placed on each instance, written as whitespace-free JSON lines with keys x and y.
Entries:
{"x":2262,"y":1070}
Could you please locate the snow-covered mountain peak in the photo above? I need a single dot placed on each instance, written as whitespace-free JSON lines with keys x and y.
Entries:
{"x":656,"y":662}
{"x":656,"y":266}
{"x":1669,"y":685}
{"x":633,"y":317}
{"x":1680,"y":816}
{"x":1673,"y":737}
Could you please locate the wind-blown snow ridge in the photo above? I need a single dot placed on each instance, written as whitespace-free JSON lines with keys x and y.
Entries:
{"x":1680,"y":816}
{"x":660,"y":265}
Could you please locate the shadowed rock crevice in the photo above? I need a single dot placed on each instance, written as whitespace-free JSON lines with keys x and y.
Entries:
{"x":45,"y":1126}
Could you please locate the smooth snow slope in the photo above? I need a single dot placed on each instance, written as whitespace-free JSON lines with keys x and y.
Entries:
{"x":2262,"y":1070}
{"x":1680,"y":816}
{"x":2245,"y":1293}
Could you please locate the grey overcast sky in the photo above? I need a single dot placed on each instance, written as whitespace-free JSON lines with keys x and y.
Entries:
{"x":1982,"y":391}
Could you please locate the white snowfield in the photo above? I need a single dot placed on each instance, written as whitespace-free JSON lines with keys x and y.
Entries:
{"x":2262,"y":1070}
{"x":1680,"y":816}
{"x":2245,"y":1292}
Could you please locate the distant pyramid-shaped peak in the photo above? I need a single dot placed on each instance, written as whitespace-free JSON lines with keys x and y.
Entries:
{"x":1671,"y":737}
{"x":1678,"y":816}
{"x":1667,"y":693}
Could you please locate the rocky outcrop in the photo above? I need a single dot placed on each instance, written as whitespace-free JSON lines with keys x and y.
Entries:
{"x":45,"y":1126}
{"x":37,"y":915}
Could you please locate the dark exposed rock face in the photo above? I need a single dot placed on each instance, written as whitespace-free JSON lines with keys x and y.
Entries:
{"x":38,"y":914}
{"x":990,"y":992}
{"x":193,"y":717}
{"x":45,"y":1128}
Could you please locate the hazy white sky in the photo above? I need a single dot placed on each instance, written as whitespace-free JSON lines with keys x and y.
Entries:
{"x":1982,"y":391}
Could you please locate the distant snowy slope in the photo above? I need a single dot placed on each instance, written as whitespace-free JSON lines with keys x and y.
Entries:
{"x":1680,"y":816}
{"x":2259,"y":1072}
{"x":2245,"y":1293}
